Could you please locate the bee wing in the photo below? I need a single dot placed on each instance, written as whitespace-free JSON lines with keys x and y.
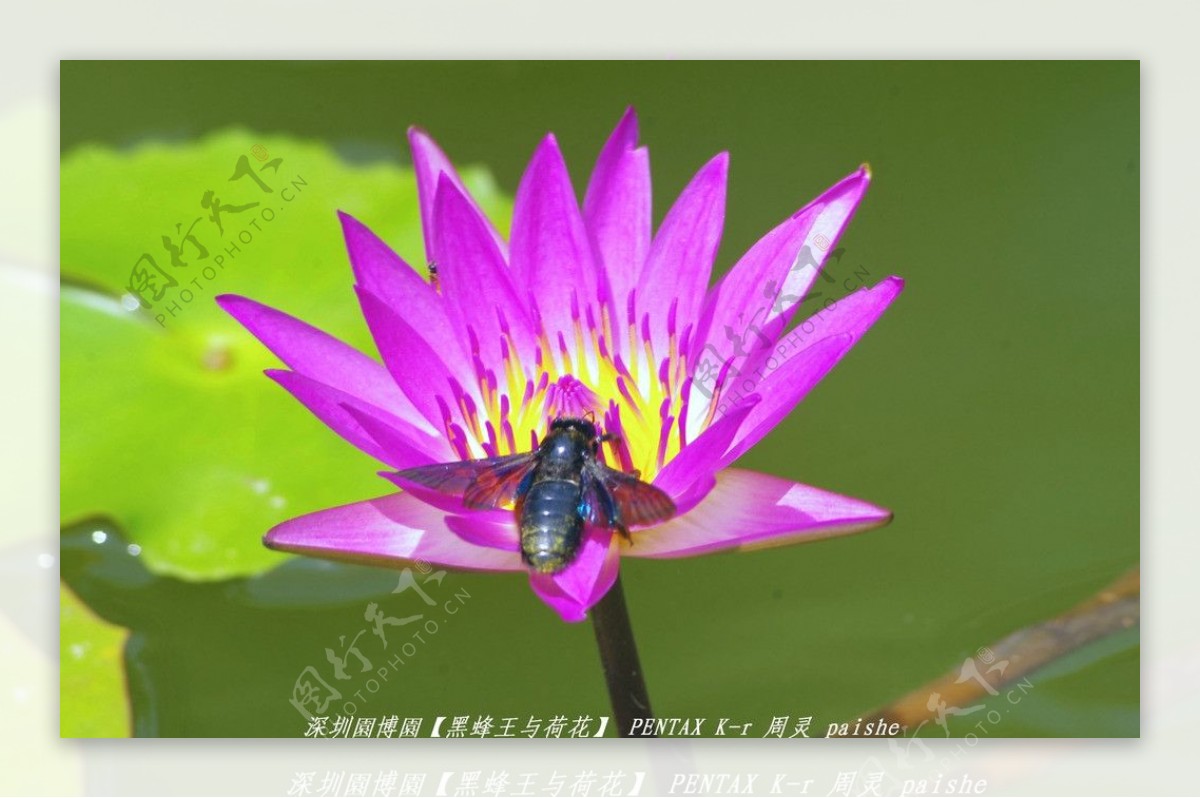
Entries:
{"x":481,"y":483}
{"x":616,"y":499}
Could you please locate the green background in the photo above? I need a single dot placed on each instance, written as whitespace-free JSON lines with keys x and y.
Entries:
{"x":994,"y":408}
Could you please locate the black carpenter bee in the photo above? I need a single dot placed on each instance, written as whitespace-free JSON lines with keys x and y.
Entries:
{"x":557,"y":488}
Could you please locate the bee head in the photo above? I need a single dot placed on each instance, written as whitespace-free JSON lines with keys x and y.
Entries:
{"x":584,"y":427}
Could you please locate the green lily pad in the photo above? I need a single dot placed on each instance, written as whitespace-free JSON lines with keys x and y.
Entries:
{"x":91,"y":672}
{"x":168,"y":425}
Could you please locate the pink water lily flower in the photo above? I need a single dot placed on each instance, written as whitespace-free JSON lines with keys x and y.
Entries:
{"x":582,"y":310}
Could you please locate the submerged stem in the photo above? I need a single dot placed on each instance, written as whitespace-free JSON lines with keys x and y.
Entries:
{"x":618,"y":655}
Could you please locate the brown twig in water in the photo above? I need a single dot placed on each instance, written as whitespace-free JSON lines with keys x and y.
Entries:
{"x":1115,"y":608}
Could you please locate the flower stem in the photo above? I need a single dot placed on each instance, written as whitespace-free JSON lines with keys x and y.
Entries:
{"x":618,"y":655}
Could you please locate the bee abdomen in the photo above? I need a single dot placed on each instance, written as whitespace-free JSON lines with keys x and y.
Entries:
{"x":551,"y":527}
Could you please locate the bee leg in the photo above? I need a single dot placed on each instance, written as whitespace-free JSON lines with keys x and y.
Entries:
{"x":623,"y":531}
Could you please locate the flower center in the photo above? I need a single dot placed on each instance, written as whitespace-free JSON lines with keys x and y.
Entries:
{"x":638,"y":395}
{"x":570,"y":397}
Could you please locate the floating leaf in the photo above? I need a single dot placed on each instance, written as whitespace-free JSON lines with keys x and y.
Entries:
{"x":91,"y":672}
{"x":168,"y":425}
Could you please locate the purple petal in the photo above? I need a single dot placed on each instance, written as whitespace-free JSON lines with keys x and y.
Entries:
{"x":748,"y":510}
{"x":680,"y":261}
{"x":411,"y":447}
{"x":766,"y":285}
{"x":430,"y":163}
{"x":383,"y":273}
{"x":396,"y":442}
{"x":617,"y":211}
{"x":321,"y":357}
{"x":692,"y":473}
{"x":415,"y":365}
{"x":476,"y":283}
{"x":576,"y":589}
{"x":623,"y":139}
{"x":781,"y":391}
{"x":801,"y":363}
{"x":551,"y":255}
{"x":853,"y":314}
{"x":393,"y":531}
{"x":495,"y":529}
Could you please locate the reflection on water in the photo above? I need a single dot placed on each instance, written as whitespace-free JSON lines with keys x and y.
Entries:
{"x":224,"y":658}
{"x":213,"y":658}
